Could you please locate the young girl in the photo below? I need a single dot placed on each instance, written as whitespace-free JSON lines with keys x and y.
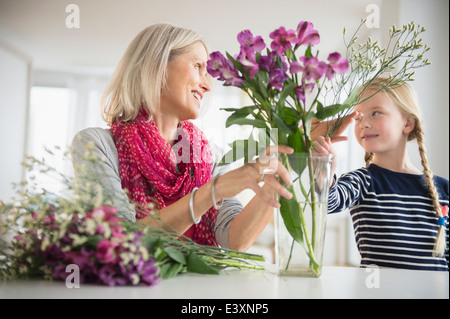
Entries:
{"x":399,"y":213}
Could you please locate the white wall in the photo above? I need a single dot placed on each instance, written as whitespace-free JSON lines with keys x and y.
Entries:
{"x":432,"y":82}
{"x":14,"y":92}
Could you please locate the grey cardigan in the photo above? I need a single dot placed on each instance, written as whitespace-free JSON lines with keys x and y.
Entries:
{"x":106,"y":169}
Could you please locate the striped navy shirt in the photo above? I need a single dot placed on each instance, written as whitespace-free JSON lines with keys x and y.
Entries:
{"x":393,"y":218}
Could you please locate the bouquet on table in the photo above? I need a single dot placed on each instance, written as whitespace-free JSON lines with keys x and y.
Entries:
{"x":48,"y":236}
{"x":292,"y":89}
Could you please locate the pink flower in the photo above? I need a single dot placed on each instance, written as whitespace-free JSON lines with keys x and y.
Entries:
{"x":106,"y":251}
{"x":222,"y":68}
{"x":250,"y":44}
{"x":302,"y":90}
{"x":306,"y":34}
{"x":312,"y":68}
{"x":106,"y":214}
{"x":282,"y":39}
{"x":337,"y":65}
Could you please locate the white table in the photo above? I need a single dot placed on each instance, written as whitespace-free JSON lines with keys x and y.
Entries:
{"x":335,"y":282}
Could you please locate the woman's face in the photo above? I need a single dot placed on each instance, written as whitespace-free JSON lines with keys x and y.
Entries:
{"x":186,"y":84}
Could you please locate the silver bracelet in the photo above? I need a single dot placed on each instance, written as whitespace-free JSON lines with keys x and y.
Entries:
{"x":191,"y":206}
{"x":213,"y":194}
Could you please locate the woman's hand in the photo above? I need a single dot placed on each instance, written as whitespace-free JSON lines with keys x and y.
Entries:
{"x":265,"y":169}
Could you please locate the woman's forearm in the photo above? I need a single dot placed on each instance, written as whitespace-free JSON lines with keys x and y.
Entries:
{"x":178,"y":216}
{"x":249,"y":224}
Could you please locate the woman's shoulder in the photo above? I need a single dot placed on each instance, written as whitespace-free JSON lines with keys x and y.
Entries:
{"x":97,"y":139}
{"x":95,"y":134}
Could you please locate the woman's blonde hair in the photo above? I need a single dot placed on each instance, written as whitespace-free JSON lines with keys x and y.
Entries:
{"x":141,"y":73}
{"x":405,"y":98}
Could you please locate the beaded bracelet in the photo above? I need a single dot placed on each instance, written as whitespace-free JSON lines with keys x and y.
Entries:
{"x":191,"y":207}
{"x":213,"y":194}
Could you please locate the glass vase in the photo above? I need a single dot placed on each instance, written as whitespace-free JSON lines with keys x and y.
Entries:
{"x":300,"y":223}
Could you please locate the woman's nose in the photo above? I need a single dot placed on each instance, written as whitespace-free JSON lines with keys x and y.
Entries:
{"x":204,"y":84}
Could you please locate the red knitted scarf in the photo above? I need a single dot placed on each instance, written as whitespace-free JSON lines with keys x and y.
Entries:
{"x":151,"y":171}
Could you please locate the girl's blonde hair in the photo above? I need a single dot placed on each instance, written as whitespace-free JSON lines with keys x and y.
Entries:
{"x":141,"y":73}
{"x":405,"y":98}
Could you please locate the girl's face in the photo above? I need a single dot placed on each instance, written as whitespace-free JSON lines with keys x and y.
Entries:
{"x":186,"y":84}
{"x":380,"y":127}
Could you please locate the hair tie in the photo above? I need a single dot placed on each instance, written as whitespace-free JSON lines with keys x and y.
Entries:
{"x":441,"y":221}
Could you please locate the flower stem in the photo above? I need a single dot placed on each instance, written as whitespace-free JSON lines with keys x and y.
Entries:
{"x":309,"y":247}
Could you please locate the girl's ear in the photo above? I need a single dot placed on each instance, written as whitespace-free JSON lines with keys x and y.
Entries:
{"x":409,"y":126}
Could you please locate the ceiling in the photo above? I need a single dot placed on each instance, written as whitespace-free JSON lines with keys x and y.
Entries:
{"x":38,"y":29}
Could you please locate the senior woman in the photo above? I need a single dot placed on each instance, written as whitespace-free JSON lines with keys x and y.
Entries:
{"x":152,"y":153}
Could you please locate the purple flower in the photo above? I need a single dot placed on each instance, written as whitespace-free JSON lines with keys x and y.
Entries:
{"x":302,"y":90}
{"x":282,"y":39}
{"x":295,"y":67}
{"x":247,"y":55}
{"x":52,"y":255}
{"x":145,"y":271}
{"x":84,"y":258}
{"x":306,"y":34}
{"x":312,"y":68}
{"x":222,"y":68}
{"x":216,"y":63}
{"x":337,"y":65}
{"x":231,"y":77}
{"x":110,"y":275}
{"x":59,"y":272}
{"x":149,"y":273}
{"x":268,"y":62}
{"x":276,"y":66}
{"x":252,"y":66}
{"x":277,"y":78}
{"x":250,"y":44}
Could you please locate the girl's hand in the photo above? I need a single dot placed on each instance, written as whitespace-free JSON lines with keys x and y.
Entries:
{"x":251,"y":174}
{"x":320,"y":128}
{"x":323,"y":145}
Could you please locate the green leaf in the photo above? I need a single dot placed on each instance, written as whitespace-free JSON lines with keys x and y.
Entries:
{"x":308,"y":52}
{"x":242,"y":120}
{"x":297,"y":141}
{"x":151,"y":242}
{"x":238,"y":65}
{"x":197,"y":265}
{"x":242,"y":110}
{"x":291,"y":117}
{"x":288,"y":89}
{"x":290,"y":212}
{"x":246,"y":149}
{"x":176,"y":255}
{"x":326,"y":112}
{"x":281,"y":125}
{"x":262,"y":82}
{"x":160,"y":254}
{"x":353,"y":97}
{"x":170,"y":270}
